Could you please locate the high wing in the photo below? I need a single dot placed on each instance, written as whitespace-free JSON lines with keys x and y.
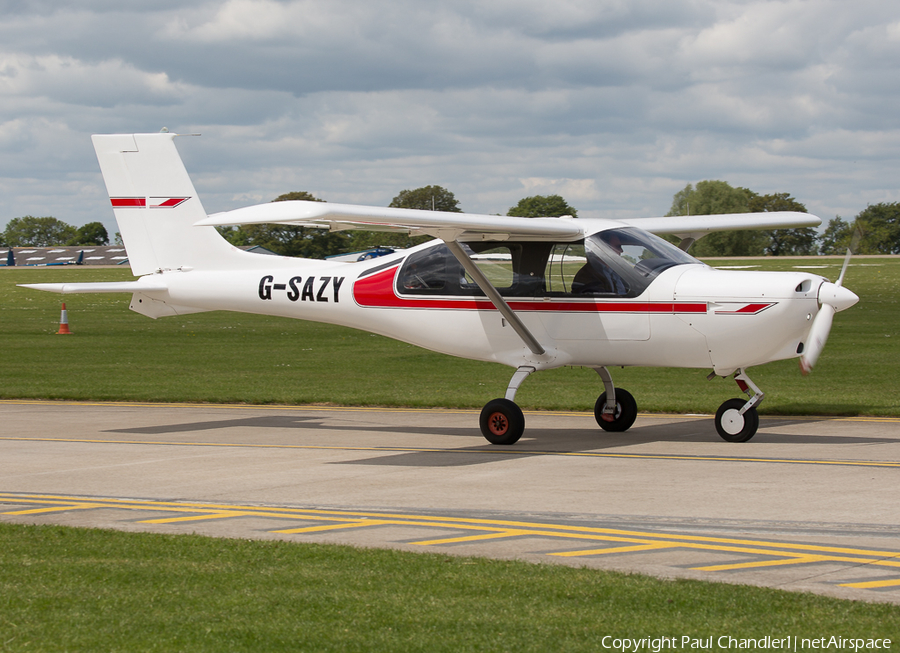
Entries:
{"x":691,"y":228}
{"x":695,"y":226}
{"x":470,"y":226}
{"x":439,"y":224}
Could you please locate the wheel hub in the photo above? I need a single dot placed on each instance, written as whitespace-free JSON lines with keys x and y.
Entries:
{"x":732,"y":421}
{"x":498,"y":423}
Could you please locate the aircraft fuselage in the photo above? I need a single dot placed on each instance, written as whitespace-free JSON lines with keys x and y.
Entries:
{"x":689,"y":315}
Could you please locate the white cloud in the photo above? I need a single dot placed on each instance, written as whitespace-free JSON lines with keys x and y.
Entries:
{"x":67,"y":80}
{"x":614,"y":104}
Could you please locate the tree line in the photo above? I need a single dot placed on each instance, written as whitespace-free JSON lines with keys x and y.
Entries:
{"x":878,"y":226}
{"x":29,"y":231}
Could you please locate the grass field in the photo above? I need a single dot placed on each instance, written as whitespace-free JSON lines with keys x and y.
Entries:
{"x":64,"y":589}
{"x":67,"y":589}
{"x":116,"y":354}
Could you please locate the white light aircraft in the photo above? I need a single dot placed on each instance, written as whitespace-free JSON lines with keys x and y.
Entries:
{"x":531,"y":293}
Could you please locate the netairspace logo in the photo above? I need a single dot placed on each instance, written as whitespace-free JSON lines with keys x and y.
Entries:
{"x":726,"y":642}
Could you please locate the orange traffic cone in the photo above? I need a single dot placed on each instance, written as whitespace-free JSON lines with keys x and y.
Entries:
{"x":64,"y":322}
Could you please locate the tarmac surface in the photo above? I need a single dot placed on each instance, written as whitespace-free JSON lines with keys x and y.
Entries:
{"x":810,"y":504}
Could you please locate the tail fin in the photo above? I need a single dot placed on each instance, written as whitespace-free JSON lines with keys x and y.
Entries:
{"x":156,"y":205}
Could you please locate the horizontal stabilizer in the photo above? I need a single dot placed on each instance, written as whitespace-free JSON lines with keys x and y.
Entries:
{"x":97,"y":287}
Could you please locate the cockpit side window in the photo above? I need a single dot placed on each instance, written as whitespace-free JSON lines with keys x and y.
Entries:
{"x":565,"y":260}
{"x":426,"y":271}
{"x":436,"y":271}
{"x":614,"y":263}
{"x":495,"y":262}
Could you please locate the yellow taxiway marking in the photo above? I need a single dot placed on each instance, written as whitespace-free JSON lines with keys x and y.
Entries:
{"x":59,"y":508}
{"x":874,"y":584}
{"x":335,"y":527}
{"x":793,"y":560}
{"x":475,"y":538}
{"x":614,"y":549}
{"x":616,"y":541}
{"x":509,"y":453}
{"x":203,"y":517}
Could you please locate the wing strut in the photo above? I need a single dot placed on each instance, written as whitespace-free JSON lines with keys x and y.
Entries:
{"x":492,"y":294}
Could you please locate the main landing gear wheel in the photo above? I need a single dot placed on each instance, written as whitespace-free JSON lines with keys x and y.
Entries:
{"x":502,"y":422}
{"x":733,"y":426}
{"x":624,"y":415}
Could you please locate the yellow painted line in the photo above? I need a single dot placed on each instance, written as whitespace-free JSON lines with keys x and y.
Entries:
{"x":796,"y":560}
{"x":781,"y":553}
{"x":509,"y":453}
{"x":64,"y":508}
{"x":362,"y":518}
{"x":873,"y":584}
{"x":307,"y":408}
{"x":881,"y":562}
{"x":723,"y":545}
{"x":400,"y":409}
{"x":425,"y":520}
{"x":614,"y":549}
{"x":334,"y":527}
{"x":177,"y":520}
{"x":474,"y":538}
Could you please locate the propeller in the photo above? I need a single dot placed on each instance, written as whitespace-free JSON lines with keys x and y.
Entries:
{"x":833,"y":297}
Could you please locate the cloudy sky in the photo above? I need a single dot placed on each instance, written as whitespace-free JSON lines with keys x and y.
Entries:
{"x":614,"y":104}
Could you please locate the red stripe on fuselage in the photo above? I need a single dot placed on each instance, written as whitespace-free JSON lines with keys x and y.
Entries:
{"x":377,"y":291}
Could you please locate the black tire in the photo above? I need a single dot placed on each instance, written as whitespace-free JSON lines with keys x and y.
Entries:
{"x":502,"y":422}
{"x":734,"y":427}
{"x":626,"y":412}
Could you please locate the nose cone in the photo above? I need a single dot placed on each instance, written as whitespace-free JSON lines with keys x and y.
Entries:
{"x":837,"y":296}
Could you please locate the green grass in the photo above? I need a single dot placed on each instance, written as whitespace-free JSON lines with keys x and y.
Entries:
{"x":78,"y":589}
{"x":64,"y":589}
{"x":116,"y":354}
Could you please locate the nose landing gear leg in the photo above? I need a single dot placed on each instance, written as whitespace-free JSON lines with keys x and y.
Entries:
{"x":737,"y":420}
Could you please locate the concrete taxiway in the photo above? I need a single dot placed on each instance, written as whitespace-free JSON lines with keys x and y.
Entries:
{"x":809,"y":504}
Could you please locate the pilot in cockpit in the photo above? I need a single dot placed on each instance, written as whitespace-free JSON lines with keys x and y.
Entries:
{"x":596,"y":276}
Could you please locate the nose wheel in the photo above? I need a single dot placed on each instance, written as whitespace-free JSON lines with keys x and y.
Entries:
{"x":734,"y":426}
{"x":737,"y":420}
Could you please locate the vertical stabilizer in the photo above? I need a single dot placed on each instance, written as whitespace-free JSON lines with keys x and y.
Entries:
{"x":156,"y":205}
